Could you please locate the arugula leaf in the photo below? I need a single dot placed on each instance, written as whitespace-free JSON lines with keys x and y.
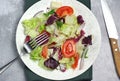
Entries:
{"x":59,"y":24}
{"x":49,"y":13}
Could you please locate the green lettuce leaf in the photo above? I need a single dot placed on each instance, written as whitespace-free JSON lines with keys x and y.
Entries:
{"x":67,"y":61}
{"x":41,"y":28}
{"x":65,"y":29}
{"x":31,"y":33}
{"x":36,"y":53}
{"x":71,"y":20}
{"x":31,"y":23}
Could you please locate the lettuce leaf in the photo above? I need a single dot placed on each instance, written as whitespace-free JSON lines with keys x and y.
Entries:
{"x":36,"y":53}
{"x":41,"y":28}
{"x":71,"y":20}
{"x":59,"y":40}
{"x":67,"y":61}
{"x":65,"y":29}
{"x":31,"y":23}
{"x":34,"y":26}
{"x":50,"y":28}
{"x":31,"y":33}
{"x":41,"y":64}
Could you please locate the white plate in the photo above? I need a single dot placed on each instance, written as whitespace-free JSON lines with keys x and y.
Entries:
{"x":92,"y":27}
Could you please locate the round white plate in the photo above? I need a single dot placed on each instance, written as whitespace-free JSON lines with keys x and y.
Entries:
{"x":91,"y":27}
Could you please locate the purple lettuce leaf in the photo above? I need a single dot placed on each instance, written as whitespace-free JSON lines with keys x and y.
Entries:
{"x":51,"y":20}
{"x":80,"y":19}
{"x":51,"y":63}
{"x":87,"y":40}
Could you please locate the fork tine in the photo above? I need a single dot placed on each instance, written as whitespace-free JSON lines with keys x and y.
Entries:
{"x":34,"y":45}
{"x":37,"y":41}
{"x":44,"y":35}
{"x":42,"y":40}
{"x":39,"y":35}
{"x":33,"y":41}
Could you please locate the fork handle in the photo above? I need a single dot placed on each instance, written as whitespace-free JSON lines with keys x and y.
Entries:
{"x":81,"y":63}
{"x":6,"y":66}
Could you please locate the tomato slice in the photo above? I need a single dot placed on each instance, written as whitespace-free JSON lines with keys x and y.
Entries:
{"x":64,"y":11}
{"x":76,"y":59}
{"x":69,"y":48}
{"x":45,"y":51}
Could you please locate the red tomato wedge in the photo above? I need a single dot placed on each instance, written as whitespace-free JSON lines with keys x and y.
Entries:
{"x":76,"y":59}
{"x":45,"y":51}
{"x":64,"y":11}
{"x":69,"y":48}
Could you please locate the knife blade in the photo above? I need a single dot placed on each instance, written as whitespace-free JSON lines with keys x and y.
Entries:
{"x":112,"y":33}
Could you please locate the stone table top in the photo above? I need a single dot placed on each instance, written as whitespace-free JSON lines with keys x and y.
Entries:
{"x":10,"y":13}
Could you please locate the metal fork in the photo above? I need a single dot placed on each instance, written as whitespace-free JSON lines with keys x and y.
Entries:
{"x":37,"y":41}
{"x":28,"y":47}
{"x":83,"y":57}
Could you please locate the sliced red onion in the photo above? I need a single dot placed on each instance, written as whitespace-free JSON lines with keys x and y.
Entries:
{"x":55,"y":33}
{"x":60,"y":55}
{"x":62,"y":20}
{"x":39,"y":12}
{"x":82,"y":33}
{"x":37,"y":27}
{"x":62,"y":67}
{"x":80,"y":19}
{"x":54,"y":51}
{"x":55,"y":15}
{"x":27,"y":39}
{"x":52,"y":44}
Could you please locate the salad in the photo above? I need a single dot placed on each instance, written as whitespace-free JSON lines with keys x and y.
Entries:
{"x":67,"y":38}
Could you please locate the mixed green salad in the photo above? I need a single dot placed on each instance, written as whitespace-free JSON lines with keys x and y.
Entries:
{"x":67,"y":38}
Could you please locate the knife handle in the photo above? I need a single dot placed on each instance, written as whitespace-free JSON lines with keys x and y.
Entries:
{"x":116,"y":54}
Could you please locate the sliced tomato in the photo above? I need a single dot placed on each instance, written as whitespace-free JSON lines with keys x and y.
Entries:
{"x":45,"y":51}
{"x":76,"y":59}
{"x":64,"y":10}
{"x":69,"y":48}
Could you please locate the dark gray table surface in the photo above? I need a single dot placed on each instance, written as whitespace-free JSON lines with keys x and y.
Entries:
{"x":10,"y":13}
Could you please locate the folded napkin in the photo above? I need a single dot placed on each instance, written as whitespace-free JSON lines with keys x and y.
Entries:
{"x":86,"y":76}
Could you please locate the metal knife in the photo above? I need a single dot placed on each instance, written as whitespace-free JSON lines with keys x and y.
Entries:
{"x":112,"y":33}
